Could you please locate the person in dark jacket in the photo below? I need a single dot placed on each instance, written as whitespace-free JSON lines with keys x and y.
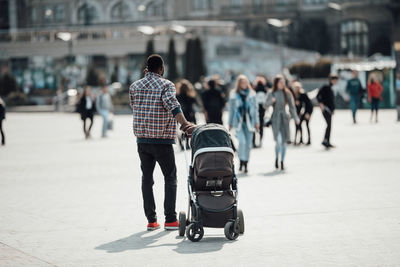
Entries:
{"x":186,"y":96}
{"x":213,"y":102}
{"x":87,"y":108}
{"x":261,"y":92}
{"x":354,"y":89}
{"x":326,"y":100}
{"x":2,"y":117}
{"x":304,"y":109}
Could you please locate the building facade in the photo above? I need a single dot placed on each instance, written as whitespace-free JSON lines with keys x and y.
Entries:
{"x":110,"y":33}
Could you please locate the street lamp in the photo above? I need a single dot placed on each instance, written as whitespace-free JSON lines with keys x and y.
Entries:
{"x":281,"y":25}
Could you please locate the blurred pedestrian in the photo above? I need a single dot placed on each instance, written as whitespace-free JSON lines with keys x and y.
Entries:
{"x":243,"y":117}
{"x":304,"y":110}
{"x":355,"y":90}
{"x":398,"y":95}
{"x":155,"y":113}
{"x":213,"y":102}
{"x":326,"y":100}
{"x":261,"y":92}
{"x":374,"y":95}
{"x":279,"y":98}
{"x":186,"y":96}
{"x":104,"y":107}
{"x":87,"y":108}
{"x":2,"y":117}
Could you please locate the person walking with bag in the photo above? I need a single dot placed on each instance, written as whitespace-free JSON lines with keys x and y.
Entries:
{"x":304,"y":110}
{"x":243,"y":117}
{"x":104,"y":107}
{"x":326,"y":100}
{"x":155,"y":113}
{"x":374,"y":95}
{"x":87,"y":108}
{"x":279,"y":98}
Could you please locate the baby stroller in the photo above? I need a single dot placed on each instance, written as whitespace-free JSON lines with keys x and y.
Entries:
{"x":212,"y":185}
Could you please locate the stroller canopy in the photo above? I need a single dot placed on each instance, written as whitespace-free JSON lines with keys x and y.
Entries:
{"x":210,"y":136}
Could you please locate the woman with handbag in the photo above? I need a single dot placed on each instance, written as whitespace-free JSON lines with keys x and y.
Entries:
{"x":279,"y":98}
{"x":243,"y":117}
{"x":304,"y":110}
{"x":86,"y":108}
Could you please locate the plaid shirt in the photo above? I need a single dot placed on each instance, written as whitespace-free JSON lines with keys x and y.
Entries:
{"x":154,"y":107}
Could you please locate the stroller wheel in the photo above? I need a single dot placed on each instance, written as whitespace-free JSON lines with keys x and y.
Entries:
{"x":232,"y":230}
{"x":241,"y":221}
{"x":182,"y":223}
{"x":194,"y":232}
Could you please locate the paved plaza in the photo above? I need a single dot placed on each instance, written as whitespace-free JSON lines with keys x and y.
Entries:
{"x":66,"y":201}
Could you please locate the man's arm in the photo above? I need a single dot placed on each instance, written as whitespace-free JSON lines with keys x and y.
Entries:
{"x":186,"y":126}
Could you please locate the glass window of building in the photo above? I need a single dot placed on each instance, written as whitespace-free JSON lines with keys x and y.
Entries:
{"x":354,"y":37}
{"x":33,"y":14}
{"x":155,"y":9}
{"x":48,"y":13}
{"x":257,"y":2}
{"x":120,"y":11}
{"x":237,"y":3}
{"x":59,"y":12}
{"x":87,"y":14}
{"x":202,"y":4}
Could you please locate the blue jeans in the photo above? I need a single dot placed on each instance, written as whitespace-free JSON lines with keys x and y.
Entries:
{"x":280,"y":146}
{"x":354,"y":100}
{"x":245,"y":138}
{"x":104,"y":113}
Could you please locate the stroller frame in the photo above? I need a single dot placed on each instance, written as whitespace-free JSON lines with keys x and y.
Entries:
{"x":193,"y":225}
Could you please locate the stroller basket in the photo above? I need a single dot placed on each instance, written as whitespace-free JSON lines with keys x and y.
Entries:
{"x":213,"y":171}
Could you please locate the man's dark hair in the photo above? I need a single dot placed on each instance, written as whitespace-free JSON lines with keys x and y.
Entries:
{"x":154,"y":63}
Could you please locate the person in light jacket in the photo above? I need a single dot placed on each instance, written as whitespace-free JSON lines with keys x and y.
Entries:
{"x":104,"y":106}
{"x":280,"y":97}
{"x":243,"y":117}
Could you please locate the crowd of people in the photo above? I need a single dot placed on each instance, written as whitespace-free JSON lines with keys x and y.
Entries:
{"x":158,"y":104}
{"x":87,"y":106}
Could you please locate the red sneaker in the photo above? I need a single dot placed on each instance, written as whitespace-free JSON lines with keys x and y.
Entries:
{"x":153,"y":226}
{"x":171,"y":226}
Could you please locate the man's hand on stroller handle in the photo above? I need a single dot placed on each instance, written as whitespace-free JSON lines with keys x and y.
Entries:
{"x":186,"y":127}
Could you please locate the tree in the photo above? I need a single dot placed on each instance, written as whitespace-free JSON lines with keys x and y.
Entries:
{"x":172,"y":71}
{"x":8,"y":84}
{"x":92,"y":77}
{"x":189,"y":60}
{"x":199,"y":68}
{"x":114,"y":75}
{"x":149,"y":51}
{"x":313,"y":35}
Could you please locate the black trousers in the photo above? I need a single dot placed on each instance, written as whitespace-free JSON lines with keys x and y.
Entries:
{"x":328,"y":119}
{"x":164,"y":155}
{"x":3,"y":138}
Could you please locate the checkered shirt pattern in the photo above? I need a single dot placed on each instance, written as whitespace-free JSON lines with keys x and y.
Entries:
{"x":152,"y":100}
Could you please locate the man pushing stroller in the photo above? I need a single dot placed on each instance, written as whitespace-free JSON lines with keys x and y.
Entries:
{"x":155,"y":112}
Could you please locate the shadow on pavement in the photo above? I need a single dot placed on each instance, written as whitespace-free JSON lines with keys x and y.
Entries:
{"x":273,"y":173}
{"x":139,"y":241}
